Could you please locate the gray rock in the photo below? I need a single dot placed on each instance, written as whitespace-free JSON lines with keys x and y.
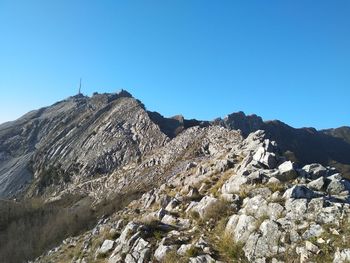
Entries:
{"x":317,"y":184}
{"x":315,"y":230}
{"x":161,"y":213}
{"x":223,"y":165}
{"x":172,"y":205}
{"x":105,"y":247}
{"x":342,"y":256}
{"x":266,"y":158}
{"x":328,"y":215}
{"x":315,"y":170}
{"x":256,"y":206}
{"x":202,"y":259}
{"x":300,"y":191}
{"x":296,"y":208}
{"x":265,"y":245}
{"x":190,"y":165}
{"x":234,"y":184}
{"x":183,"y":249}
{"x":337,"y":185}
{"x":169,"y":220}
{"x":311,"y":247}
{"x":140,"y":252}
{"x":287,"y":172}
{"x":204,"y":206}
{"x":240,"y":227}
{"x":162,"y":251}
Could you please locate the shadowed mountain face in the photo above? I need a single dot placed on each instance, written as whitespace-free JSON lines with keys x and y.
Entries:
{"x":341,"y":132}
{"x":81,"y":138}
{"x":305,"y":145}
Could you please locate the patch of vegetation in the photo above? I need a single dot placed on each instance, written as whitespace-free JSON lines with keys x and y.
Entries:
{"x":220,"y":210}
{"x":192,"y":252}
{"x":173,"y":257}
{"x":52,"y":176}
{"x":274,"y":187}
{"x":340,"y":241}
{"x":32,"y":227}
{"x":227,"y":249}
{"x":215,"y":190}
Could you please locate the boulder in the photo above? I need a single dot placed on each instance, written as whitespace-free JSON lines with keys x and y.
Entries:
{"x":256,"y":206}
{"x":300,"y":192}
{"x":315,"y":230}
{"x":296,"y":208}
{"x":240,"y":227}
{"x":140,"y":252}
{"x":337,"y":184}
{"x":173,"y":204}
{"x":317,"y":184}
{"x":234,"y":184}
{"x":204,"y":206}
{"x":311,"y":247}
{"x":266,"y":158}
{"x":162,"y":251}
{"x":107,"y":246}
{"x":342,"y":256}
{"x":315,"y":170}
{"x":287,"y":172}
{"x":169,"y":220}
{"x":266,"y":244}
{"x":183,"y":249}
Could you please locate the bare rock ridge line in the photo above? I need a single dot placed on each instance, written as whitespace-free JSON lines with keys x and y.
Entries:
{"x":80,"y":139}
{"x":146,"y":188}
{"x":230,"y":199}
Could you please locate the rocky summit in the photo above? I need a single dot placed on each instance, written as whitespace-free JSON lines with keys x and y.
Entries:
{"x":101,"y":179}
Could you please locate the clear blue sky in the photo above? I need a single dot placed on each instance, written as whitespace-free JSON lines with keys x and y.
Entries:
{"x":287,"y":60}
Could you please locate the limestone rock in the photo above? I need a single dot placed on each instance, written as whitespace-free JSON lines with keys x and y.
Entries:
{"x":105,"y":247}
{"x":204,"y":206}
{"x":315,"y":170}
{"x":265,"y":245}
{"x":342,"y":256}
{"x":287,"y":172}
{"x":240,"y":227}
{"x":300,"y":191}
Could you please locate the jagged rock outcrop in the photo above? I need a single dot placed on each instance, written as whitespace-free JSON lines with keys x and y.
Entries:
{"x":266,"y":215}
{"x":202,"y":192}
{"x":73,"y":140}
{"x":304,"y":145}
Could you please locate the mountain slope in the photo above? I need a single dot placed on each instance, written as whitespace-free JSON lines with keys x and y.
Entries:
{"x":80,"y":139}
{"x":133,"y":186}
{"x":305,"y":145}
{"x":74,"y":139}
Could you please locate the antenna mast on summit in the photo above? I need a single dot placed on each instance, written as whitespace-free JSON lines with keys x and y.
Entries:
{"x":79,"y":87}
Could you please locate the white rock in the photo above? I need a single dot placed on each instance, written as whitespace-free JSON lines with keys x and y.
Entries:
{"x":106,"y":247}
{"x":342,"y":256}
{"x":240,"y":227}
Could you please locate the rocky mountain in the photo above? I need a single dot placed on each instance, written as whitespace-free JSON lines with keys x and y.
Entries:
{"x":305,"y":145}
{"x":236,"y":200}
{"x":73,"y":140}
{"x":122,"y":184}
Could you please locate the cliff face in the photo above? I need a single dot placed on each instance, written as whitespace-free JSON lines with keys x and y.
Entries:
{"x":73,"y":140}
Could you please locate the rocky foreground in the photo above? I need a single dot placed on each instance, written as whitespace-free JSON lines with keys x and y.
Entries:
{"x":220,"y":198}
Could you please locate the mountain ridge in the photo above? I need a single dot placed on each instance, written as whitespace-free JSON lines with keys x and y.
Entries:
{"x":102,"y":179}
{"x":32,"y":144}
